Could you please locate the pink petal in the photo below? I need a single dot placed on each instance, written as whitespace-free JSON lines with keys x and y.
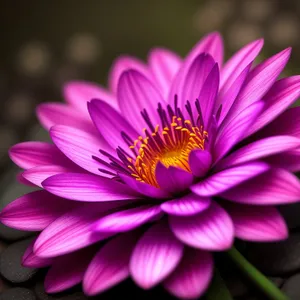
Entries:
{"x":136,"y":94}
{"x":78,"y":93}
{"x":28,"y":155}
{"x":164,"y":65}
{"x":122,"y":64}
{"x":259,"y":81}
{"x":200,"y":162}
{"x":128,"y":219}
{"x":282,"y":94}
{"x":144,"y":188}
{"x":231,"y":131}
{"x":224,"y":180}
{"x":30,"y":260}
{"x":34,"y":211}
{"x":50,"y":114}
{"x":110,"y":266}
{"x":173,"y":180}
{"x":68,"y":270}
{"x":80,"y":147}
{"x":260,"y":149}
{"x":210,"y":230}
{"x":277,"y":186}
{"x":155,"y":256}
{"x":72,"y":231}
{"x":23,"y":180}
{"x":257,"y":223}
{"x":87,"y":187}
{"x":111,"y":124}
{"x":193,"y":275}
{"x":188,"y":205}
{"x":238,"y":62}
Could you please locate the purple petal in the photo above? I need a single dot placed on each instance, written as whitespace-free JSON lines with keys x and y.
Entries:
{"x":110,"y":266}
{"x":111,"y":124}
{"x":155,"y":256}
{"x":129,"y":219}
{"x":257,"y":223}
{"x":37,"y":175}
{"x":193,"y":275}
{"x":200,"y":162}
{"x":210,"y":230}
{"x":135,"y":94}
{"x":260,"y":149}
{"x":277,"y":186}
{"x":87,"y":187}
{"x":164,"y":65}
{"x":72,"y":231}
{"x":173,"y":180}
{"x":68,"y":270}
{"x":79,"y":146}
{"x":30,"y":260}
{"x":34,"y":211}
{"x":238,"y":62}
{"x":50,"y":114}
{"x":231,"y":131}
{"x":23,"y":180}
{"x":78,"y":93}
{"x":122,"y":64}
{"x":282,"y":94}
{"x":224,"y":180}
{"x":211,"y":44}
{"x":259,"y":81}
{"x":144,"y":188}
{"x":288,"y":160}
{"x":188,"y":205}
{"x":32,"y":154}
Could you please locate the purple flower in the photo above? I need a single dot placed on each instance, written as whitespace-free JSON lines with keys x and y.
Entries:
{"x":177,"y":159}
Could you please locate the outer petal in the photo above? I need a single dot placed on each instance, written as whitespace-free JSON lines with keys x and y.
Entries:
{"x":87,"y":187}
{"x":111,"y":124}
{"x":232,"y":130}
{"x":32,"y":154}
{"x":122,"y":64}
{"x":136,"y":94}
{"x":210,"y":230}
{"x":34,"y":211}
{"x":50,"y":114}
{"x":144,"y":188}
{"x":78,"y":93}
{"x":188,"y":205}
{"x":30,"y":260}
{"x":172,"y":179}
{"x":164,"y":65}
{"x":193,"y":275}
{"x":260,"y":149}
{"x":288,"y":160}
{"x":274,"y":187}
{"x":110,"y":265}
{"x":80,"y":146}
{"x":129,"y":219}
{"x":224,"y":180}
{"x":238,"y":62}
{"x":72,"y":231}
{"x":282,"y":94}
{"x":257,"y":223}
{"x":68,"y":270}
{"x":260,"y":79}
{"x":200,"y":162}
{"x":155,"y":256}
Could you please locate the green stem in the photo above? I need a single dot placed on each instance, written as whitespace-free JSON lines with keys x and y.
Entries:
{"x":263,"y":283}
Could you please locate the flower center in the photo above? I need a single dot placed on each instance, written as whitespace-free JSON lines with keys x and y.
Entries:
{"x":171,"y":146}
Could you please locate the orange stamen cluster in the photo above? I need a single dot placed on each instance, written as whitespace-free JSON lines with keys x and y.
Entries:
{"x":171,"y":146}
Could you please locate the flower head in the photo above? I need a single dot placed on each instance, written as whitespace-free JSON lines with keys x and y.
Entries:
{"x":176,"y":160}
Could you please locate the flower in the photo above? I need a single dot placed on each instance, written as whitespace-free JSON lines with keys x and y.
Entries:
{"x":177,"y":159}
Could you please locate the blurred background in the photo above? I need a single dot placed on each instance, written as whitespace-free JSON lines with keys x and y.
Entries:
{"x":46,"y":43}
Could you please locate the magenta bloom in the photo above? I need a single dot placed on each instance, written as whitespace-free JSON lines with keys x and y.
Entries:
{"x":177,"y":159}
